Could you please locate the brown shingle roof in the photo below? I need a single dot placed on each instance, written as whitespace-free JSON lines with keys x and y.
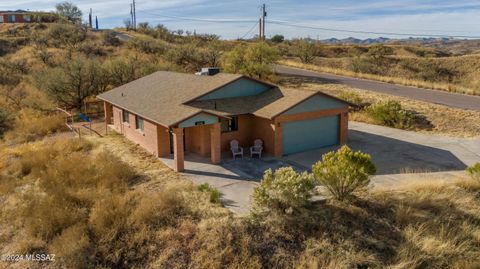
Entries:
{"x":159,"y":97}
{"x":165,"y":97}
{"x":265,"y":105}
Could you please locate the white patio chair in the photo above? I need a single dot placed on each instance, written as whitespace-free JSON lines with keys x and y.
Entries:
{"x":236,"y":150}
{"x":256,"y":148}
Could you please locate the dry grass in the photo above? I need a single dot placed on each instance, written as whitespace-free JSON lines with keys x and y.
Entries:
{"x":106,"y":203}
{"x":394,"y":80}
{"x":438,"y":118}
{"x":31,"y":125}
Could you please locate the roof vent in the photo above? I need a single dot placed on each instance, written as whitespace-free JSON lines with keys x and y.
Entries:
{"x":208,"y":71}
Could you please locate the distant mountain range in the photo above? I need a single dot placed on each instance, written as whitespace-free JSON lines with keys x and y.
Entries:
{"x":369,"y":41}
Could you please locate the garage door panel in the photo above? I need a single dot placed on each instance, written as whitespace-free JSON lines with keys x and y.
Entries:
{"x":310,"y":134}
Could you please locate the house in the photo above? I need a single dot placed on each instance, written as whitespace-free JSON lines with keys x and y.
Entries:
{"x":173,"y":113}
{"x":17,"y":16}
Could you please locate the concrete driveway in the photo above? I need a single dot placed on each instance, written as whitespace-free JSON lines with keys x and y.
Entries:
{"x":394,"y":152}
{"x":397,"y":151}
{"x":235,"y":179}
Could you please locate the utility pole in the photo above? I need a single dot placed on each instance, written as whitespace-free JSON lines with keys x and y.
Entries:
{"x":96,"y":22}
{"x":260,"y":29}
{"x":264,"y":14}
{"x":134,"y":16}
{"x":131,"y":17}
{"x":90,"y":19}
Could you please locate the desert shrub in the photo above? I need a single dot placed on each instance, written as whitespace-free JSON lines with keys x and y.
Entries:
{"x":391,"y":113}
{"x":283,"y":190}
{"x":353,"y":98}
{"x":344,"y":172}
{"x":110,"y":38}
{"x":66,"y":35}
{"x":474,"y":171}
{"x":306,"y":50}
{"x":6,"y":121}
{"x":148,"y":45}
{"x":92,"y":49}
{"x":186,"y":56}
{"x":31,"y":125}
{"x":277,"y":38}
{"x":214,"y":194}
{"x":255,"y":60}
{"x":73,"y":82}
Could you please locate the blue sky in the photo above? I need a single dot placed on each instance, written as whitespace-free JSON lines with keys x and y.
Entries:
{"x":433,"y":17}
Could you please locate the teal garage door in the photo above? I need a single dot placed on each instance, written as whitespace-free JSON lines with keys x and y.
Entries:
{"x":306,"y":135}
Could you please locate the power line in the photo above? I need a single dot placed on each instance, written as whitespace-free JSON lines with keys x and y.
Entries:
{"x":198,"y":19}
{"x":249,"y":31}
{"x":304,"y":26}
{"x":285,"y":23}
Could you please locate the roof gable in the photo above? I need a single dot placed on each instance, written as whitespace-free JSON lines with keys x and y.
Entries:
{"x":316,"y":102}
{"x":160,"y":96}
{"x":241,"y":87}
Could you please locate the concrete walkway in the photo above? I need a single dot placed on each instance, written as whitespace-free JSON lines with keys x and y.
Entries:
{"x":397,"y":154}
{"x":236,"y":187}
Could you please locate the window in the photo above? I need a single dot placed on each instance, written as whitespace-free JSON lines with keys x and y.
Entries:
{"x":139,"y":123}
{"x":126,"y":116}
{"x":230,"y":125}
{"x":27,"y":18}
{"x":11,"y":18}
{"x":1,"y":18}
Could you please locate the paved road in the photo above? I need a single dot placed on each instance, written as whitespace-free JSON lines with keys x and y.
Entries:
{"x":432,"y":96}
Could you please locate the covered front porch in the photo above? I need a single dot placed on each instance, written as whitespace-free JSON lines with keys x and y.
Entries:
{"x":202,"y":140}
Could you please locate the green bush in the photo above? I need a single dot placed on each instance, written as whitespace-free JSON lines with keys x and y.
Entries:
{"x":215,"y":194}
{"x":352,"y":97}
{"x":391,"y":114}
{"x":344,"y":172}
{"x":283,"y":190}
{"x":474,"y":171}
{"x":255,"y":60}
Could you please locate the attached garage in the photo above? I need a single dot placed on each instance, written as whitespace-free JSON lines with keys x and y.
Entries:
{"x":317,"y":122}
{"x":310,"y":134}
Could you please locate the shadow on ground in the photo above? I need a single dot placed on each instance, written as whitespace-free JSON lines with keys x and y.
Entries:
{"x":254,"y":168}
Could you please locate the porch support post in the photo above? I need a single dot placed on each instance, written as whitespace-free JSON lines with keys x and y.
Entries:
{"x":178,"y":154}
{"x":343,"y":127}
{"x":215,"y":143}
{"x":278,"y":137}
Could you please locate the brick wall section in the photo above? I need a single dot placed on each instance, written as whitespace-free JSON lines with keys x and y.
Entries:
{"x":263,"y":129}
{"x":197,"y":139}
{"x":243,"y":135}
{"x":163,"y":141}
{"x":148,"y":139}
{"x":215,"y":134}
